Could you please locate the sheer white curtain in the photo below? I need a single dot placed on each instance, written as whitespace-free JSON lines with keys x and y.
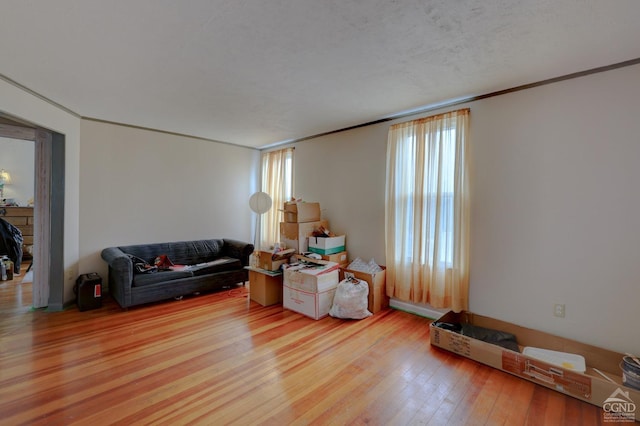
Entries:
{"x":427,"y":211}
{"x":277,"y":181}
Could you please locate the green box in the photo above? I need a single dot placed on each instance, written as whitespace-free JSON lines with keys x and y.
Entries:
{"x":333,"y":250}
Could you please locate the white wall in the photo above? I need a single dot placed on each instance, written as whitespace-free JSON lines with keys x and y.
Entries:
{"x":345,"y":173}
{"x":27,"y":107}
{"x":140,"y":186}
{"x":555,"y":209}
{"x":17,"y":157}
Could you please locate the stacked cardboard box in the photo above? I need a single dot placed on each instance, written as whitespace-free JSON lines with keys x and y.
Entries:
{"x":301,"y":221}
{"x":301,"y":212}
{"x":327,"y":245}
{"x":265,"y":286}
{"x":273,"y":261}
{"x":339,"y":258}
{"x":296,"y":235}
{"x":310,"y":291}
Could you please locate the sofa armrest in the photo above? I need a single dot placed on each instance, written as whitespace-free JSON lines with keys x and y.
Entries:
{"x":238,"y":250}
{"x":120,"y":274}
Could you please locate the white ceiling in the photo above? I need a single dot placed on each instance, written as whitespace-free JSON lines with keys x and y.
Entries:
{"x":256,"y":72}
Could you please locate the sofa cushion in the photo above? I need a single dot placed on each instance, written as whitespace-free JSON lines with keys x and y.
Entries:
{"x":180,"y":252}
{"x":140,"y":280}
{"x":194,"y":252}
{"x":220,"y":265}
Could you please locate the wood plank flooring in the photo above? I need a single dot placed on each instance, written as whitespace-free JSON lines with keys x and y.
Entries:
{"x":220,"y":358}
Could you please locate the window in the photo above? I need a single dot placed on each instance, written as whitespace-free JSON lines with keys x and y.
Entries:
{"x":438,"y":213}
{"x":427,"y":210}
{"x":277,"y":181}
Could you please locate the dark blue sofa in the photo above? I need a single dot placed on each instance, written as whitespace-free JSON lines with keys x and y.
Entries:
{"x":209,"y":265}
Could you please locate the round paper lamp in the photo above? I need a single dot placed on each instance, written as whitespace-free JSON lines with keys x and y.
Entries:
{"x":260,"y":202}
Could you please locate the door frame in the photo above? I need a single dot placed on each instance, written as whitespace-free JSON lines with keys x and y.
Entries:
{"x":48,"y":254}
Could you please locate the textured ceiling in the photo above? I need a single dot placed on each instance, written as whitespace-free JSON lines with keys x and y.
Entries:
{"x":260,"y":72}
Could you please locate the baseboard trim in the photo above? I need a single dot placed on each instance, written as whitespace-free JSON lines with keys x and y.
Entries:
{"x":412,"y":308}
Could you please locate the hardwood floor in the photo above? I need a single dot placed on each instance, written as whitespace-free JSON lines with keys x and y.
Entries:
{"x":222,"y":359}
{"x":15,"y":298}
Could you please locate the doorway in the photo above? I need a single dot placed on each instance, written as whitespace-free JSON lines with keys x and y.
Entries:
{"x":48,"y":252}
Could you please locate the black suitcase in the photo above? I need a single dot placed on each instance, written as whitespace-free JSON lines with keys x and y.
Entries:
{"x":88,"y":290}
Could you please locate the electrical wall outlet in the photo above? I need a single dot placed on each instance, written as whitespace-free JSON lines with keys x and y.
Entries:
{"x":558,"y":310}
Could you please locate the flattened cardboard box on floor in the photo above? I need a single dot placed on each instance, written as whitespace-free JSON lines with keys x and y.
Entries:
{"x":590,"y":386}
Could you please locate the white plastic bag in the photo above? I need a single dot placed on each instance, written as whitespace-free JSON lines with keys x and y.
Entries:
{"x":360,"y":265}
{"x":351,"y":300}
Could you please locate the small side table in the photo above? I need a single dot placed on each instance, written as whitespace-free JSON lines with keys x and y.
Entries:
{"x":265,"y":287}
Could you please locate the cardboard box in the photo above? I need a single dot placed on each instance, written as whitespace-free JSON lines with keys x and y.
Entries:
{"x":296,"y":235}
{"x":265,"y":288}
{"x":312,"y":305}
{"x":378,"y":299}
{"x":311,"y":281}
{"x":310,"y":295}
{"x":327,"y":245}
{"x":311,"y":265}
{"x":340,"y":258}
{"x":272,"y":262}
{"x":589,"y":386}
{"x":301,"y":212}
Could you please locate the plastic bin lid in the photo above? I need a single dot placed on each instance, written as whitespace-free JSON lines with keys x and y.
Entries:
{"x":560,"y":359}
